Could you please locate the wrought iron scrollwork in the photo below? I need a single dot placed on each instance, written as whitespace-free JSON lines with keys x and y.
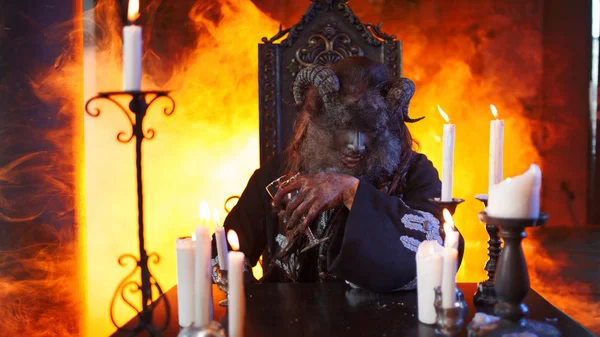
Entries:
{"x":137,"y":103}
{"x":148,"y":285}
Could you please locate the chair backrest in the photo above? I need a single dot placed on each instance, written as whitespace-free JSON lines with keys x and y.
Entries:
{"x":328,"y":32}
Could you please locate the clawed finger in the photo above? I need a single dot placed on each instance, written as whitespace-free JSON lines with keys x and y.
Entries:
{"x":283,"y":191}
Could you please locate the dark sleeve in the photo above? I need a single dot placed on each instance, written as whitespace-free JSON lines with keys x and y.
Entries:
{"x":247,"y":219}
{"x":375,"y":248}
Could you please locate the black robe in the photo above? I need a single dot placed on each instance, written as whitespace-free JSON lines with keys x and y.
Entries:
{"x":373,"y":246}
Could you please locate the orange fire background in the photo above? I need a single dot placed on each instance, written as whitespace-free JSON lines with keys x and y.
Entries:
{"x":461,"y":55}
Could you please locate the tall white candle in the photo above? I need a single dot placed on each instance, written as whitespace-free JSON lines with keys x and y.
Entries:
{"x":450,"y":262}
{"x":429,"y":275}
{"x":447,"y":157}
{"x":221,"y":246}
{"x":517,"y":197}
{"x":496,"y":146}
{"x":202,"y":279}
{"x":449,"y":277}
{"x":237,"y":298}
{"x":185,"y":280}
{"x":132,"y":49}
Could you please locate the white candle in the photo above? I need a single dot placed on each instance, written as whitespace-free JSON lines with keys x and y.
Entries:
{"x":132,"y":49}
{"x":185,"y":280}
{"x":496,"y":146}
{"x":450,"y":262}
{"x":237,"y":298}
{"x":203,"y":283}
{"x":518,"y":197}
{"x":221,"y":246}
{"x":447,"y":157}
{"x":429,"y":275}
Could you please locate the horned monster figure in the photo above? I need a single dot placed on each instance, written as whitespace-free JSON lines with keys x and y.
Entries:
{"x":358,"y":182}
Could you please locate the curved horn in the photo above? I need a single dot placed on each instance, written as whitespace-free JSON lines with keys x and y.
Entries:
{"x":323,"y":78}
{"x":398,"y":98}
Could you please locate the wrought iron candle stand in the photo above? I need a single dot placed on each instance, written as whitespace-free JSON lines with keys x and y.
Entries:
{"x":485,"y":298}
{"x":138,"y":107}
{"x":512,"y":282}
{"x":449,"y":205}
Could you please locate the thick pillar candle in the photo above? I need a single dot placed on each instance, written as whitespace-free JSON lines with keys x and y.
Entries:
{"x":429,"y":275}
{"x":518,"y":197}
{"x":185,"y":280}
{"x":237,"y":297}
{"x":132,"y":50}
{"x":202,"y":278}
{"x":496,"y":148}
{"x":447,"y":157}
{"x":221,"y":247}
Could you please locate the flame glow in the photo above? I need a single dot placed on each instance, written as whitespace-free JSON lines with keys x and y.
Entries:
{"x":444,"y":114}
{"x":216,"y":218}
{"x":133,"y":10}
{"x":233,"y":240}
{"x":209,"y":147}
{"x":204,"y":211}
{"x":494,"y":111}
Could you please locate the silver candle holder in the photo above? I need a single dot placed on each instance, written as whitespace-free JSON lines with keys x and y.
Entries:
{"x":222,"y":282}
{"x":213,"y":329}
{"x":449,"y":321}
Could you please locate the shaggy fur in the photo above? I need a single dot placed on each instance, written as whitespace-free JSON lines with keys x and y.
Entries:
{"x":359,"y":104}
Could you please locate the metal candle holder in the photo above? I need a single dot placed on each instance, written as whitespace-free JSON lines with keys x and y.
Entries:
{"x":222,"y":282}
{"x":512,"y":280}
{"x":213,"y":329}
{"x":449,"y":321}
{"x":138,"y":107}
{"x":449,"y":205}
{"x":485,"y":298}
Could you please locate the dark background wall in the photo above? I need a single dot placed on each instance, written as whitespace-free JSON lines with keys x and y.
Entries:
{"x":38,"y":229}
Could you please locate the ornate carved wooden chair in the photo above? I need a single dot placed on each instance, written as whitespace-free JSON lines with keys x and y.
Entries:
{"x":328,"y":32}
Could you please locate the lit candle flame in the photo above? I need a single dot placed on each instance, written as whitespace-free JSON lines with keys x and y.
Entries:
{"x":233,"y":240}
{"x":216,"y":217}
{"x":448,"y":221}
{"x":494,"y":111}
{"x":204,"y":211}
{"x":444,"y":115}
{"x":133,"y":10}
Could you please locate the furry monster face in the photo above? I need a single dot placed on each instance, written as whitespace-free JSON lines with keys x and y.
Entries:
{"x":352,"y":138}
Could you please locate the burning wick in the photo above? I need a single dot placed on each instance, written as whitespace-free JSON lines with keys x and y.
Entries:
{"x":448,"y":221}
{"x":204,"y":211}
{"x":444,"y":115}
{"x":494,"y":111}
{"x":233,"y":240}
{"x":133,"y":11}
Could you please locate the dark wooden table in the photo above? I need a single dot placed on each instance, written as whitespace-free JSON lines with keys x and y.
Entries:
{"x":334,"y":309}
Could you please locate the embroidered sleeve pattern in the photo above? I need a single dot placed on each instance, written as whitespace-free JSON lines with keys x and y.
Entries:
{"x":423,"y":223}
